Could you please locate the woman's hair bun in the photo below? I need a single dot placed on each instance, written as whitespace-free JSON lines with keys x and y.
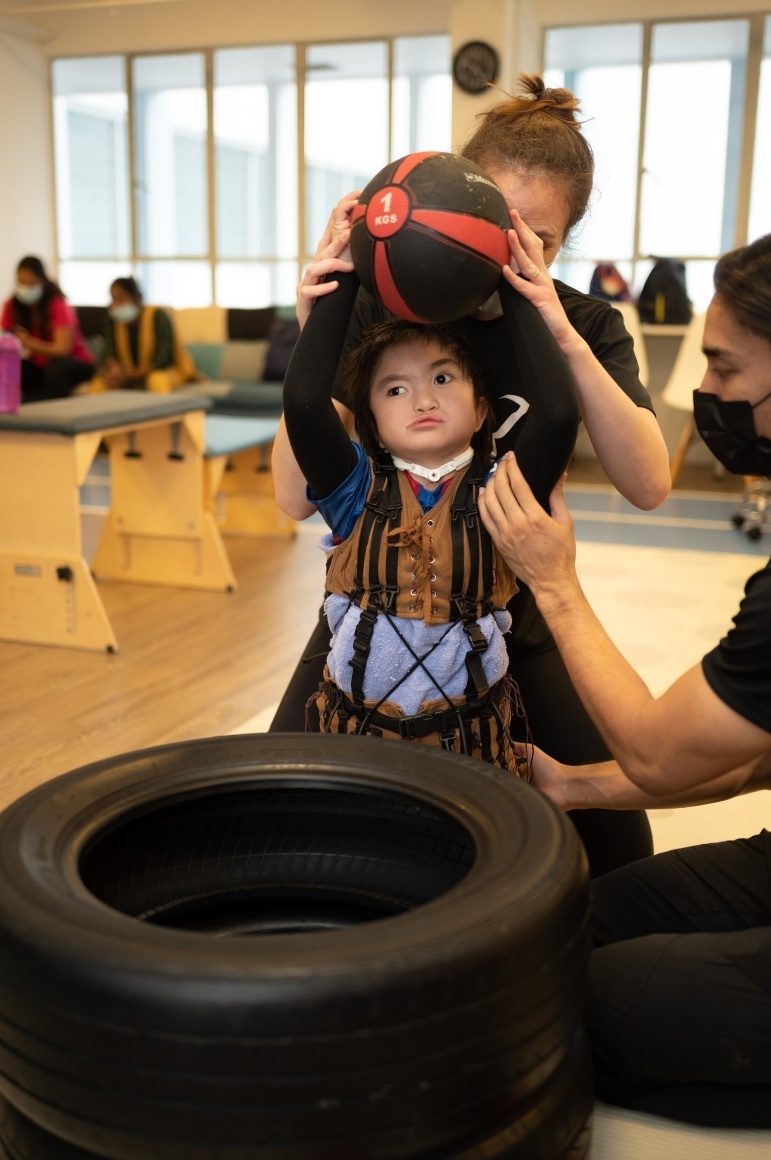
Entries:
{"x":561,"y":101}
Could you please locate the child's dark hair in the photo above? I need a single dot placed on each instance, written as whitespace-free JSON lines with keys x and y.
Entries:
{"x":363,"y":364}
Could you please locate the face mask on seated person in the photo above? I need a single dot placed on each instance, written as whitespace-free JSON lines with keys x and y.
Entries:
{"x":28,"y":295}
{"x":728,"y":429}
{"x":126,"y":312}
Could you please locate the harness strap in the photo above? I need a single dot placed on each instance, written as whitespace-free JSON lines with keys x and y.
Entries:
{"x":382,"y":509}
{"x":467,"y":534}
{"x":441,"y":721}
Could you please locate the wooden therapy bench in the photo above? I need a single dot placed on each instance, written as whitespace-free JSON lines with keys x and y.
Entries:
{"x":171,"y":472}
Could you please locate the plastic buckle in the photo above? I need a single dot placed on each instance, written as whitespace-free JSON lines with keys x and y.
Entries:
{"x":476,"y":637}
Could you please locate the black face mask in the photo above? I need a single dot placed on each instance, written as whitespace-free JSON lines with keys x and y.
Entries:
{"x":728,"y":429}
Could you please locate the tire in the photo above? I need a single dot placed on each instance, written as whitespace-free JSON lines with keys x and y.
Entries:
{"x":405,"y":966}
{"x":552,"y":1125}
{"x":20,"y":1139}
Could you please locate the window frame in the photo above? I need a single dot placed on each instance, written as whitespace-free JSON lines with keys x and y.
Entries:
{"x":136,"y":259}
{"x":641,"y":261}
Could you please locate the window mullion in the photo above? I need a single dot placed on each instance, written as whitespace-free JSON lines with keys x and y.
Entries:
{"x":300,"y":58}
{"x":751,"y":93}
{"x":210,"y":170}
{"x":646,"y":60}
{"x":130,"y":129}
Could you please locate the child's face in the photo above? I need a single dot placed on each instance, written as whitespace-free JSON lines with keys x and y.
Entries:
{"x":423,"y":404}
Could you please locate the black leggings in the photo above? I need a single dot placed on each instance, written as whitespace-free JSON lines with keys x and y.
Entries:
{"x":679,"y":1008}
{"x":57,"y":379}
{"x":558,"y":723}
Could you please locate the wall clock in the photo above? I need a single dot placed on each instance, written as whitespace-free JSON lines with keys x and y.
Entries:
{"x":475,"y":66}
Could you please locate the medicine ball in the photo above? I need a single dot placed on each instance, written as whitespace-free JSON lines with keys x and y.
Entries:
{"x":428,"y":237}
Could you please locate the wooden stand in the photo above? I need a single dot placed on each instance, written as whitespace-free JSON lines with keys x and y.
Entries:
{"x":157,"y":531}
{"x":175,"y":481}
{"x":238,"y":480}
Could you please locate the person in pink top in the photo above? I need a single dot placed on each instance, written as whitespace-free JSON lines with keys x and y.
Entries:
{"x":55,"y":359}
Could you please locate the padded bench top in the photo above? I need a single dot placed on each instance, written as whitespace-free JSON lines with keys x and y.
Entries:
{"x":82,"y":413}
{"x":227,"y":434}
{"x":240,"y":397}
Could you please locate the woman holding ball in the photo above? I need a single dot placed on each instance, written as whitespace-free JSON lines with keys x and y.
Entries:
{"x":533,"y":148}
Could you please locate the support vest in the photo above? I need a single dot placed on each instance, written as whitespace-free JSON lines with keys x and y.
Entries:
{"x":436,"y":566}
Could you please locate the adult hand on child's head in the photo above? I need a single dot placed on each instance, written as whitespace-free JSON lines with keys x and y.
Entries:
{"x":539,"y":547}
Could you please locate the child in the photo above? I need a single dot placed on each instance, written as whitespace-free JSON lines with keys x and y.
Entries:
{"x":416,"y":591}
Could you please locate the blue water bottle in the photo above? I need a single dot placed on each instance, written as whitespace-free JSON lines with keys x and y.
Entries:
{"x":10,"y":373}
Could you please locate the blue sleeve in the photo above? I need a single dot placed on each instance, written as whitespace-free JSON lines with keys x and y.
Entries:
{"x":342,"y":507}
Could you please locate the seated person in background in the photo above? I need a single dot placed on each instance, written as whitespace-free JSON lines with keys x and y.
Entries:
{"x":55,"y":359}
{"x":141,"y":349}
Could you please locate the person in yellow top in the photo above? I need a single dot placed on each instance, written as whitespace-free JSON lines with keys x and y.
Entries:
{"x":141,"y":349}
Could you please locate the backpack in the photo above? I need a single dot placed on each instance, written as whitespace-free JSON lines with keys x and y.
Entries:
{"x":608,"y":283}
{"x":664,"y":298}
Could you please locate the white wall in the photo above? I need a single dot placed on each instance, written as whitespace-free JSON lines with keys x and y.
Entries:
{"x":26,"y":208}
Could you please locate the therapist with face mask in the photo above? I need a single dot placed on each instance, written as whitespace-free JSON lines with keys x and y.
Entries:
{"x":679,"y":1006}
{"x":141,"y":350}
{"x":55,"y":359}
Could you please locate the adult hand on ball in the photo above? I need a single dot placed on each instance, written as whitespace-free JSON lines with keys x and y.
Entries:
{"x":528,"y":273}
{"x":333,"y":255}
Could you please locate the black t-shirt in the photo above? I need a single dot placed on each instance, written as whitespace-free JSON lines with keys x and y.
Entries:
{"x":738,"y":670}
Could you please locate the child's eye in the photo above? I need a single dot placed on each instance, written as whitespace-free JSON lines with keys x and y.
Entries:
{"x":442,"y":378}
{"x":395,"y":391}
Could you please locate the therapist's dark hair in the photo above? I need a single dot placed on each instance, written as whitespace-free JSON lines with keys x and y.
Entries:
{"x":743,"y":283}
{"x":537,"y":134}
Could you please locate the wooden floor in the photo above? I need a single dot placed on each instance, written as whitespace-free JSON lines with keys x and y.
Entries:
{"x":190,"y":665}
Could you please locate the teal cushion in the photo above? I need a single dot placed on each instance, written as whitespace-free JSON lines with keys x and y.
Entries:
{"x":207,"y":357}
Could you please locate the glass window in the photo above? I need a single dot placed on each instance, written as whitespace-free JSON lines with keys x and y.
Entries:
{"x":216,"y":208}
{"x":602,"y":65}
{"x":90,"y":123}
{"x":346,"y":125}
{"x":421,"y":104}
{"x":170,"y":172}
{"x":256,"y":283}
{"x":760,"y":203}
{"x":88,"y":283}
{"x":693,"y":135}
{"x":177,"y":284}
{"x":255,"y":141}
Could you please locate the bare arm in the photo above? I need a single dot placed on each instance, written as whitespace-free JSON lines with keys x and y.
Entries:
{"x":626,"y":438}
{"x":288,"y":479}
{"x":604,"y":785}
{"x":60,"y":346}
{"x":683,"y":739}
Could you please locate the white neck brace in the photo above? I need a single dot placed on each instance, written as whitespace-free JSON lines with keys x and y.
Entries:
{"x":435,"y":473}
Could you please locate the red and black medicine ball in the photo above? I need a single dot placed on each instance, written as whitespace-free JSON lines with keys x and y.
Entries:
{"x":428,"y":237}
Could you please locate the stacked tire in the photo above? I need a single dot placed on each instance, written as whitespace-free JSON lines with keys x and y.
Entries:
{"x":292,"y":948}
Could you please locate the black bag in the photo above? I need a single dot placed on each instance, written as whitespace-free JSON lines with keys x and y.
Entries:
{"x":664,"y":298}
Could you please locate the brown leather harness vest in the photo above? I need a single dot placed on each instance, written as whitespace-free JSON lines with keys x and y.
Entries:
{"x":436,"y":566}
